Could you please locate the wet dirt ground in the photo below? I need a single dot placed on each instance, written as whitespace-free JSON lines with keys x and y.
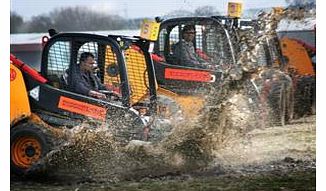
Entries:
{"x":275,"y":158}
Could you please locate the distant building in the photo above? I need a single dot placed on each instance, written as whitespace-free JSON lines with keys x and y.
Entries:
{"x":28,"y":48}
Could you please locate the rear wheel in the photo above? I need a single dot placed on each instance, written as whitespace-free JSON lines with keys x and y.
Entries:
{"x":29,"y":144}
{"x":289,"y":104}
{"x":277,"y":100}
{"x":304,"y":96}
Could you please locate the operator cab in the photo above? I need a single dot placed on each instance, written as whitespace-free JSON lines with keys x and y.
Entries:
{"x":212,"y":46}
{"x":210,"y":42}
{"x":57,"y":105}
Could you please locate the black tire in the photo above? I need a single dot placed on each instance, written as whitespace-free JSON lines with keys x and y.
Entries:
{"x":313,"y":108}
{"x":289,"y":104}
{"x":29,"y":144}
{"x":304,"y":96}
{"x":277,"y":104}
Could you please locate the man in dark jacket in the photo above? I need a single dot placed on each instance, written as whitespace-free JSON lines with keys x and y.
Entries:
{"x":84,"y":81}
{"x":184,"y":50}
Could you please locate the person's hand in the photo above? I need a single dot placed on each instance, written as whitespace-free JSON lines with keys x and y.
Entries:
{"x":111,"y":95}
{"x":207,"y":65}
{"x":97,"y":94}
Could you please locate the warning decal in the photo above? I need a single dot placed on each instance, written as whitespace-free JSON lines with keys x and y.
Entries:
{"x":82,"y":108}
{"x":187,"y":75}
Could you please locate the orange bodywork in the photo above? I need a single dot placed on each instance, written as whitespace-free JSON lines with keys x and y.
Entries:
{"x":297,"y":55}
{"x":187,"y":75}
{"x":19,"y":104}
{"x":82,"y":108}
{"x":19,"y":147}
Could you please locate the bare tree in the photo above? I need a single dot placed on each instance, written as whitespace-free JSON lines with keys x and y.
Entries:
{"x":84,"y":19}
{"x":39,"y":23}
{"x":178,"y":13}
{"x":206,"y":11}
{"x":16,"y":22}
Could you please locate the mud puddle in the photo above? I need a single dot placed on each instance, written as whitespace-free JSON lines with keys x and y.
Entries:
{"x":276,"y":158}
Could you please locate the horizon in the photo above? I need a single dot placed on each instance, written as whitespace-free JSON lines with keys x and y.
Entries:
{"x":130,"y":9}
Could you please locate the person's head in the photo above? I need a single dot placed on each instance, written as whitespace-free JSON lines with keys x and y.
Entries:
{"x":87,"y":61}
{"x":188,"y":33}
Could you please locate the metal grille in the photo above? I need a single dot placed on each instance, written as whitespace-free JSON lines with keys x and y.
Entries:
{"x":199,"y":37}
{"x":111,"y":77}
{"x":91,"y":47}
{"x":161,"y":39}
{"x":210,"y":40}
{"x":137,"y":74}
{"x":58,"y":58}
{"x":174,"y":38}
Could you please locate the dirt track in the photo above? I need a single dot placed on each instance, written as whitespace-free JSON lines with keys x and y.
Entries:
{"x":296,"y":141}
{"x":276,"y":158}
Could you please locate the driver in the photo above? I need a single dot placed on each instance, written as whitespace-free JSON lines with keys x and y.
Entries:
{"x":184,"y":50}
{"x":84,"y":80}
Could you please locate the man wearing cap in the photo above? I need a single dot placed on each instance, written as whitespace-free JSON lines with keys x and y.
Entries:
{"x":184,"y":50}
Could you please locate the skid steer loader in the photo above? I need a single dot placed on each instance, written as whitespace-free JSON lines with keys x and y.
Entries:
{"x":215,"y":42}
{"x":302,"y":69}
{"x":289,"y":53}
{"x":42,"y":103}
{"x":218,"y":40}
{"x":189,"y":85}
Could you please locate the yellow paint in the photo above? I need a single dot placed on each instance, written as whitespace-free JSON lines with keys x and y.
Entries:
{"x":137,"y":75}
{"x":111,"y":59}
{"x":149,"y":30}
{"x":138,"y":81}
{"x":19,"y":104}
{"x":136,"y":72}
{"x":234,"y":9}
{"x":190,"y":104}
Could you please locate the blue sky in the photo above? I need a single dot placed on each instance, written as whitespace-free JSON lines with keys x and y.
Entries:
{"x":130,"y":8}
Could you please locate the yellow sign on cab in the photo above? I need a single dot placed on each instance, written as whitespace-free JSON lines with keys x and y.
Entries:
{"x":234,"y":9}
{"x":150,"y":30}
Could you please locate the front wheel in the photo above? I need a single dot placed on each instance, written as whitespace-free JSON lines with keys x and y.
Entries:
{"x":29,"y":144}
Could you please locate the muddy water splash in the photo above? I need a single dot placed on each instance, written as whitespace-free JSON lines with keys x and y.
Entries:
{"x":94,"y":155}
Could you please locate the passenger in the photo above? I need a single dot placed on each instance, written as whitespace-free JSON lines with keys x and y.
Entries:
{"x":184,"y":50}
{"x":84,"y":81}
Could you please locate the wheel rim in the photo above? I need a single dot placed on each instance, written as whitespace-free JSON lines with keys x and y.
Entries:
{"x":25,"y":151}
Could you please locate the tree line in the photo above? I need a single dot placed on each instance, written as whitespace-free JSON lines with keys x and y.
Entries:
{"x":84,"y":19}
